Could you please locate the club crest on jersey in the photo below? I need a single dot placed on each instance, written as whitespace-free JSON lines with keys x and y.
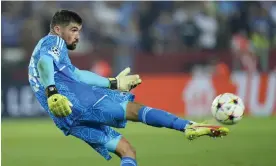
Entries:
{"x":55,"y":52}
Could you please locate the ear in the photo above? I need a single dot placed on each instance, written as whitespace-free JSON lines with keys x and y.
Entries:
{"x":57,"y":30}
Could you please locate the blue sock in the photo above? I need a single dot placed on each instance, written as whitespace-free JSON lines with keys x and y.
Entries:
{"x":159,"y":118}
{"x":127,"y":161}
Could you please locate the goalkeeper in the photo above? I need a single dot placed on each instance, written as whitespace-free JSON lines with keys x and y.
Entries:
{"x":87,"y":105}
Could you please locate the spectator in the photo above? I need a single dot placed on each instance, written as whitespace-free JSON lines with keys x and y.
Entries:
{"x":163,"y":31}
{"x":11,"y":22}
{"x":236,"y":23}
{"x":208,"y":26}
{"x":226,"y":8}
{"x":243,"y":53}
{"x":127,"y":41}
{"x":179,"y":15}
{"x":147,"y":15}
{"x":189,"y":32}
{"x":45,"y":14}
{"x":261,"y":37}
{"x":108,"y":16}
{"x":272,"y":12}
{"x":31,"y":31}
{"x":261,"y":46}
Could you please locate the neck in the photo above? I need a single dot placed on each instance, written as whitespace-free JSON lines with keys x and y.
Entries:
{"x":53,"y":33}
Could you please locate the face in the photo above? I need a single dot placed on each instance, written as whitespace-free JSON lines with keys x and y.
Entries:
{"x":69,"y":33}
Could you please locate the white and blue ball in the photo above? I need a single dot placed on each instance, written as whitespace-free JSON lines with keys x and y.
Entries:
{"x":228,"y":108}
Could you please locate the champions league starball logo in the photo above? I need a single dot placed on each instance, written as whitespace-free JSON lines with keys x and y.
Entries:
{"x":55,"y":51}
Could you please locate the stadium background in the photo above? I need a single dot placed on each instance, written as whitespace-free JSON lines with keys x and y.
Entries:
{"x":186,"y":54}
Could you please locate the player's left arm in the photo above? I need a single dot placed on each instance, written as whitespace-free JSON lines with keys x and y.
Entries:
{"x":91,"y":78}
{"x":123,"y":81}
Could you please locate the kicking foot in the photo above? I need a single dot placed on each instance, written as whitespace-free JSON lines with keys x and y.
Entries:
{"x":198,"y":129}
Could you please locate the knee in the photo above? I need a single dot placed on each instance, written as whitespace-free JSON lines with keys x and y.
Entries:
{"x":125,"y":149}
{"x":128,"y":151}
{"x":132,"y":111}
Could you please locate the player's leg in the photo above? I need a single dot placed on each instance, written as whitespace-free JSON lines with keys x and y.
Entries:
{"x":159,"y":118}
{"x":154,"y":117}
{"x":104,"y":140}
{"x":123,"y":149}
{"x":126,"y":152}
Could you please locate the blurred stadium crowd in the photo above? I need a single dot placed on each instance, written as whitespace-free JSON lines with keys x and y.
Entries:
{"x":157,"y":28}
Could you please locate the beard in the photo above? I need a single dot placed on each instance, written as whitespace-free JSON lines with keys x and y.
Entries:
{"x":72,"y":46}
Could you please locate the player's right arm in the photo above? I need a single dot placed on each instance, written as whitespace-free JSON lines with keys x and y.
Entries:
{"x":58,"y":104}
{"x":45,"y":68}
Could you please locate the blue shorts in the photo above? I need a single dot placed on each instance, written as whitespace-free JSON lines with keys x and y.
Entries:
{"x":101,"y":138}
{"x":95,"y":110}
{"x":94,"y":126}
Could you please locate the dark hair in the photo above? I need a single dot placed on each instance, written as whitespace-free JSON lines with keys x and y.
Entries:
{"x":64,"y":18}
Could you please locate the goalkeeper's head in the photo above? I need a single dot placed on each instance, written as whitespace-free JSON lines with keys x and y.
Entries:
{"x":67,"y":24}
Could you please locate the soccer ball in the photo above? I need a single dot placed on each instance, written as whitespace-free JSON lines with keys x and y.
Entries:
{"x":228,"y":108}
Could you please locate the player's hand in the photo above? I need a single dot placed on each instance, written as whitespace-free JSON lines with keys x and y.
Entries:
{"x":125,"y":82}
{"x":58,"y":104}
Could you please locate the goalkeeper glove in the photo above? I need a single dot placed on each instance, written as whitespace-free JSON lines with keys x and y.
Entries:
{"x":58,"y":104}
{"x":125,"y":82}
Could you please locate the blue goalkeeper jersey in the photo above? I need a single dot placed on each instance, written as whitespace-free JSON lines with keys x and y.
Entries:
{"x":88,"y":100}
{"x":66,"y":81}
{"x":55,"y":47}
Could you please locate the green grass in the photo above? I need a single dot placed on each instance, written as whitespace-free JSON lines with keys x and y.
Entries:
{"x":252,"y":142}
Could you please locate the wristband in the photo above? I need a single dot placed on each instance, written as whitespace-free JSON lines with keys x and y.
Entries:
{"x":51,"y":90}
{"x":113,"y":83}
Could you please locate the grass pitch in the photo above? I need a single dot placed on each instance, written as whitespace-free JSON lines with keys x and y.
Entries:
{"x":252,"y":142}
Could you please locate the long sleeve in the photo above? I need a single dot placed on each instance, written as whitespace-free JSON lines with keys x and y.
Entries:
{"x":45,"y":68}
{"x":52,"y":52}
{"x":91,"y":78}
